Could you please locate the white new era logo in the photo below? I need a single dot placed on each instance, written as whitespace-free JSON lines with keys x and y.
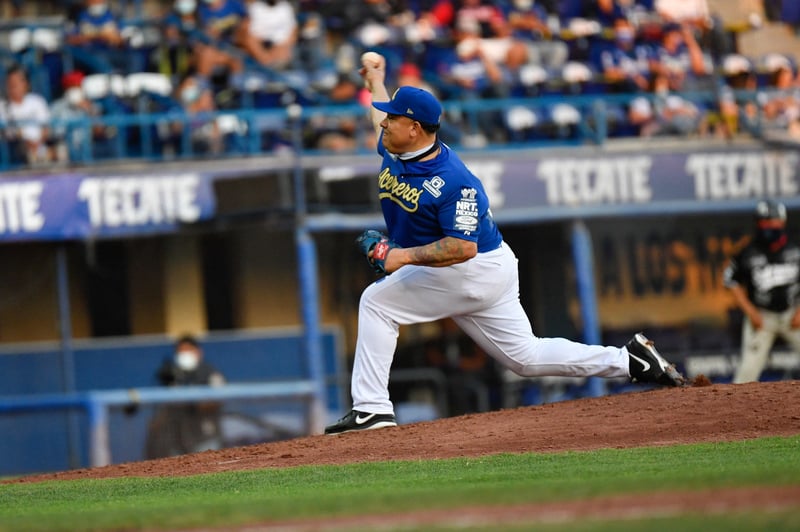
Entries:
{"x":409,"y":111}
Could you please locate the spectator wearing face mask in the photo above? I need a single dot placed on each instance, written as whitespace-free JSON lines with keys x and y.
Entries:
{"x":625,"y":64}
{"x":185,"y":428}
{"x":71,"y":114}
{"x":177,"y":50}
{"x":198,"y":133}
{"x":96,"y":26}
{"x":100,"y":34}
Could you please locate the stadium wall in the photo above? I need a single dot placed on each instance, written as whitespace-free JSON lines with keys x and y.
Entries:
{"x":664,"y":215}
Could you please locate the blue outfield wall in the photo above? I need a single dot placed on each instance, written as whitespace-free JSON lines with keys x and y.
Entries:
{"x":40,"y":441}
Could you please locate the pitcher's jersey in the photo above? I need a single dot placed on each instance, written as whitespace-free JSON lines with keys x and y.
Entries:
{"x":772,"y":280}
{"x":425,"y":201}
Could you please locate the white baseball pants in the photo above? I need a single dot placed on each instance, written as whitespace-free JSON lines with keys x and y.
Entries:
{"x":756,"y":344}
{"x":482,"y":297}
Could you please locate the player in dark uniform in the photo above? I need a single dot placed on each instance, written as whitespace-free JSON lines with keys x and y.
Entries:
{"x":764,"y":278}
{"x":447,"y":258}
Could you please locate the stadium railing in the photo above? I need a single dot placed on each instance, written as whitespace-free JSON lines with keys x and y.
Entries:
{"x":96,"y":404}
{"x":257,"y":131}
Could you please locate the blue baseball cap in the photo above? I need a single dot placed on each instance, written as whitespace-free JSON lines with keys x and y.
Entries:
{"x":416,"y":104}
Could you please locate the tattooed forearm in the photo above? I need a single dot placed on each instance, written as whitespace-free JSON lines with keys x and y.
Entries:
{"x":444,"y":252}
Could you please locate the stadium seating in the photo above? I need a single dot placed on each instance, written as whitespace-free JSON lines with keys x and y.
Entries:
{"x":130,"y":89}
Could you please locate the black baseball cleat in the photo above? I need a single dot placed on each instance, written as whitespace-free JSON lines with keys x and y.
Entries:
{"x":646,"y":365}
{"x":355,"y":420}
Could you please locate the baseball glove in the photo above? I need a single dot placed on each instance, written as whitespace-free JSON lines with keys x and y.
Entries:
{"x":379,"y":244}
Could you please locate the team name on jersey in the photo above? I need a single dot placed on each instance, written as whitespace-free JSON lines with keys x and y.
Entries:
{"x":403,"y":194}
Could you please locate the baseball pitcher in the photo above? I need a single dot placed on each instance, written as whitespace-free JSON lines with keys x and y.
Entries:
{"x":444,"y":256}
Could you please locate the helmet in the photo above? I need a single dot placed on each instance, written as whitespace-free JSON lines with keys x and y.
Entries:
{"x":770,"y":210}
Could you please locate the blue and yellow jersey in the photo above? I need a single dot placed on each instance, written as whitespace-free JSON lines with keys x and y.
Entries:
{"x":425,"y":201}
{"x":224,"y":19}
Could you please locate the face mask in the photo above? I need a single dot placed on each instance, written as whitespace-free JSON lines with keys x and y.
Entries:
{"x":187,"y":360}
{"x":185,"y":7}
{"x":624,"y":36}
{"x":770,"y":236}
{"x":190,"y":94}
{"x":74,"y":96}
{"x":97,"y":9}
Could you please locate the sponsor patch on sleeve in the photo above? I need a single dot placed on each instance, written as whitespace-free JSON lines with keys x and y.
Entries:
{"x":466,"y":215}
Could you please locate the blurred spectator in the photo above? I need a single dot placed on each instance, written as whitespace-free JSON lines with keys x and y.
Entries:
{"x":26,"y":117}
{"x":738,"y":74}
{"x":780,"y":99}
{"x":384,"y":22}
{"x":626,"y":65}
{"x":641,"y":118}
{"x":474,"y":74}
{"x":72,"y":134}
{"x":199,"y":133}
{"x":433,"y":22}
{"x":223,"y":23}
{"x":185,"y":428}
{"x":482,"y":21}
{"x":475,"y":71}
{"x":339,"y":133}
{"x":97,"y":26}
{"x":695,"y":14}
{"x":99,"y":32}
{"x":178,"y":49}
{"x":312,"y":45}
{"x":272,"y":32}
{"x":529,"y":23}
{"x":675,"y":114}
{"x":681,"y":60}
{"x":606,"y":12}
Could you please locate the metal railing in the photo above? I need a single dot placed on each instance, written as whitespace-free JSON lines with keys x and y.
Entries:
{"x":254,"y":131}
{"x":96,"y":404}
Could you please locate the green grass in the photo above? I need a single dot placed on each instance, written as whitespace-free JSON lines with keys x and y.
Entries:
{"x":238,"y":498}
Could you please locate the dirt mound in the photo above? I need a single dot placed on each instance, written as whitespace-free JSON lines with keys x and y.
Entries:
{"x":701,"y":413}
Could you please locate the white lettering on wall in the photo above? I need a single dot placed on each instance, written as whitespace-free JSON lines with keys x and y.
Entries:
{"x":743,"y":175}
{"x":19,"y":207}
{"x":593,"y":181}
{"x":132,"y":201}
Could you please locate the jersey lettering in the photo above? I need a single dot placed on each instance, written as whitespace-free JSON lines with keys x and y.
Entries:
{"x":401,"y":193}
{"x":768,"y":277}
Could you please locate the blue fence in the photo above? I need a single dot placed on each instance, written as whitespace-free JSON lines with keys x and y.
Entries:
{"x":42,"y":440}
